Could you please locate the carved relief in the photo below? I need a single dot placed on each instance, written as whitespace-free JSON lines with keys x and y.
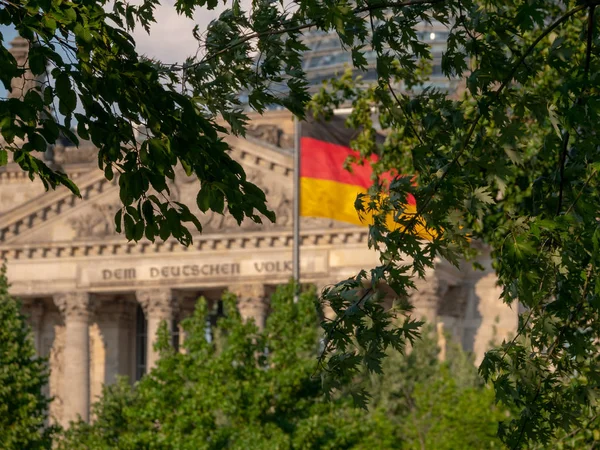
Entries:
{"x":98,"y":222}
{"x":280,"y":200}
{"x":276,"y":195}
{"x":271,"y":134}
{"x":75,"y":155}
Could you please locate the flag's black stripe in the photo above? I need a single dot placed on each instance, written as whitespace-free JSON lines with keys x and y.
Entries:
{"x":333,"y":131}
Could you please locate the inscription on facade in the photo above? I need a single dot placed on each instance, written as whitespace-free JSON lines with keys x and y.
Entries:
{"x":118,"y":274}
{"x":159,"y":272}
{"x":273,"y":266}
{"x":194,"y":270}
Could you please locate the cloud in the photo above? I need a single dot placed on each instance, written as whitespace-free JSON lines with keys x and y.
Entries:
{"x":170,"y":39}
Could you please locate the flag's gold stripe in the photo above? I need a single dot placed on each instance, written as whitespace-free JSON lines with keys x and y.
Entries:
{"x":335,"y":200}
{"x":330,"y":199}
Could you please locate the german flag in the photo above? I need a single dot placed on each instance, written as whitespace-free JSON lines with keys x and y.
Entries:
{"x":326,"y":188}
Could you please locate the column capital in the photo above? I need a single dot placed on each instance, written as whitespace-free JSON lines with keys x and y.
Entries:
{"x":250,"y":295}
{"x":156,"y":302}
{"x":73,"y":305}
{"x":248,"y":290}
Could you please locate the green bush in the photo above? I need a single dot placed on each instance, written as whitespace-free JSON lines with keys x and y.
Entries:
{"x":23,"y":406}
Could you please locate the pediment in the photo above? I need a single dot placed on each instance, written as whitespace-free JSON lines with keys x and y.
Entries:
{"x":58,"y":216}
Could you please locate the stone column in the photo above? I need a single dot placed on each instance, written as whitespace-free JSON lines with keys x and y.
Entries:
{"x":427,"y":297}
{"x":186,"y":302}
{"x":115,"y":317}
{"x":252,"y":302}
{"x":75,"y":309}
{"x":158,"y":305}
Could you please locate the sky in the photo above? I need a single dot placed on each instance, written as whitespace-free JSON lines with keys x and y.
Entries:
{"x":170,"y":39}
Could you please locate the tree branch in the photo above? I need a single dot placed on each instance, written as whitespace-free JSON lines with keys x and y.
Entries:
{"x":588,"y":58}
{"x":563,"y":158}
{"x":249,"y":37}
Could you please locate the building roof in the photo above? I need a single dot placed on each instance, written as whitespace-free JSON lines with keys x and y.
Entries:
{"x":327,"y":58}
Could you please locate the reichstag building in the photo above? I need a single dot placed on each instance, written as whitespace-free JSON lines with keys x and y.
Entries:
{"x":95,"y":300}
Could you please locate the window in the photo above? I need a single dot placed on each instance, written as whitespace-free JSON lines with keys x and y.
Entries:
{"x":211,"y":320}
{"x":141,"y":333}
{"x":175,"y":334}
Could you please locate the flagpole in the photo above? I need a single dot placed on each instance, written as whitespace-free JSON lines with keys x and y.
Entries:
{"x":296,"y":213}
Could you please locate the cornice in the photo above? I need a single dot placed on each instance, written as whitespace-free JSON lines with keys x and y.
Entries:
{"x":275,"y":240}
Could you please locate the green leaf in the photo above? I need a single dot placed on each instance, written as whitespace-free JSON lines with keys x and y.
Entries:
{"x":204,"y":198}
{"x":129,"y":226}
{"x":483,"y":195}
{"x":118,"y":220}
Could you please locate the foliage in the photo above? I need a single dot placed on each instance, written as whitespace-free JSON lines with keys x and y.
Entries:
{"x":244,"y":389}
{"x":512,"y":161}
{"x":433,"y":404}
{"x":587,"y":435}
{"x":256,"y":390}
{"x":23,"y":406}
{"x":90,"y":84}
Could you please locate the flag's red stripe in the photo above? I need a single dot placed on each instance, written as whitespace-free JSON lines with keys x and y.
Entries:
{"x":325,"y":161}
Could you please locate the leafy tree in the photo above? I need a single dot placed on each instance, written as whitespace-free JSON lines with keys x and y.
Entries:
{"x":23,"y":406}
{"x":257,"y":390}
{"x":512,"y":161}
{"x":88,"y":82}
{"x":244,"y":389}
{"x":587,"y":435}
{"x":436,"y":404}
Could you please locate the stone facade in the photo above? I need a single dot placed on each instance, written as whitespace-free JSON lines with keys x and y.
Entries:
{"x":95,"y":301}
{"x":85,"y":287}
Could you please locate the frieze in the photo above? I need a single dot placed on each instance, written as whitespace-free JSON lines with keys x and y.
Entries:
{"x":97,"y":221}
{"x":50,"y":206}
{"x":349,"y":236}
{"x":192,"y":270}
